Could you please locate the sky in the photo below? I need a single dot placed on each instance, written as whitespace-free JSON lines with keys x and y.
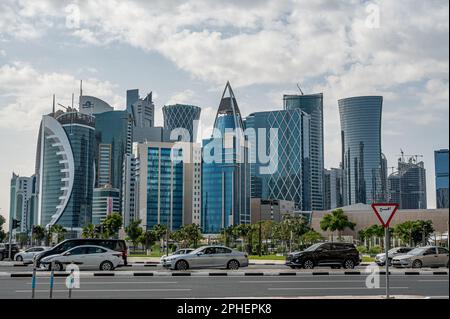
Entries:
{"x":185,"y":51}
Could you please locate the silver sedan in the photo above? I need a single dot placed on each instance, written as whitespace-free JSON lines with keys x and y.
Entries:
{"x":208,"y":257}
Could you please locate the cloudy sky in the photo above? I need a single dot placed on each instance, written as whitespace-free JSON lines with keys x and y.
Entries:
{"x":185,"y":51}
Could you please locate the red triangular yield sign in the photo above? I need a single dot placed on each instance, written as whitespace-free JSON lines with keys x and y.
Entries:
{"x":385,"y":212}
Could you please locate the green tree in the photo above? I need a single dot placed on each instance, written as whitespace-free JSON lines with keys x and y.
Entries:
{"x":228,"y":235}
{"x":59,"y":230}
{"x":38,"y":234}
{"x":422,"y":229}
{"x":147,"y":239}
{"x":112,"y":224}
{"x":243,"y":231}
{"x":134,"y":231}
{"x":193,"y":234}
{"x":161,"y":232}
{"x":22,"y":239}
{"x":2,"y":232}
{"x":336,"y":221}
{"x":89,"y":231}
{"x":375,"y":231}
{"x":311,"y":237}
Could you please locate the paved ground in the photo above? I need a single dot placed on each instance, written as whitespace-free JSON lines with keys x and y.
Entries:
{"x":302,"y":285}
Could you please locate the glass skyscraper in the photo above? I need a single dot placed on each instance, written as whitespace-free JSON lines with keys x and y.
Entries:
{"x":226,"y":178}
{"x":361,"y":149}
{"x":312,"y":104}
{"x":441,"y":171}
{"x":182,"y":116}
{"x":291,"y":179}
{"x":65,"y":159}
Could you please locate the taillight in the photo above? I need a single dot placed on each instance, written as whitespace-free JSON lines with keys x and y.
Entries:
{"x":125,"y":253}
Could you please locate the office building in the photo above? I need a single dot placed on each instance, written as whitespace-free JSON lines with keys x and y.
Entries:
{"x":274,"y":210}
{"x":407,"y":186}
{"x":130,"y":189}
{"x":441,"y":173}
{"x":106,"y":200}
{"x":333,"y":188}
{"x":142,"y":110}
{"x":92,"y":105}
{"x":166,"y":183}
{"x":312,"y":104}
{"x":361,"y":149}
{"x":183,"y":118}
{"x":290,"y":176}
{"x":65,"y":167}
{"x":23,"y":197}
{"x":225,"y":170}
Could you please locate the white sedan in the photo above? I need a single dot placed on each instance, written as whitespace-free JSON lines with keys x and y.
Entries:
{"x":85,"y":257}
{"x":27,"y":255}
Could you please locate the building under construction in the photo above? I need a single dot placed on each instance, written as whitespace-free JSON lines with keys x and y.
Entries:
{"x":407,"y":186}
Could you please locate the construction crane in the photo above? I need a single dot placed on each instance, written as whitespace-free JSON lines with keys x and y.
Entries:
{"x":298,"y":86}
{"x":415,"y":157}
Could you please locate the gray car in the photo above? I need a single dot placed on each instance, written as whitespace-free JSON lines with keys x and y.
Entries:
{"x":208,"y":257}
{"x":429,"y":256}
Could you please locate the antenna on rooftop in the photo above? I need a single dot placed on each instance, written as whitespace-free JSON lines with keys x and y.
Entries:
{"x":53,"y":109}
{"x":298,"y":86}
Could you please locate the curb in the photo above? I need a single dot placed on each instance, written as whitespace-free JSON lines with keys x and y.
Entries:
{"x":218,"y":274}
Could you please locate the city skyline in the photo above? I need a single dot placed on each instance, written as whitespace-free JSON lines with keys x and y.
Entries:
{"x":420,"y":81}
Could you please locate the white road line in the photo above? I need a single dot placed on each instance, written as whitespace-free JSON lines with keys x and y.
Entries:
{"x":338,"y":288}
{"x":108,"y":290}
{"x":111,"y":282}
{"x":300,"y":281}
{"x":430,"y":280}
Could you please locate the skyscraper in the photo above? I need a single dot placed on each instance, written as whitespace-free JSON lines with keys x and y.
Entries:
{"x":23,"y":202}
{"x":143,"y":110}
{"x":65,"y":159}
{"x":312,"y":104}
{"x":106,"y":200}
{"x":165,"y":184}
{"x":407,"y":186}
{"x":290,"y":178}
{"x":182,"y":116}
{"x":441,"y":171}
{"x":225,"y":169}
{"x":361,"y":149}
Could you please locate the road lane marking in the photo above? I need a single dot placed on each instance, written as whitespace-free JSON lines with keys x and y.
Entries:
{"x":430,"y":280}
{"x":337,"y":288}
{"x":300,"y":281}
{"x":111,"y":282}
{"x":109,"y":290}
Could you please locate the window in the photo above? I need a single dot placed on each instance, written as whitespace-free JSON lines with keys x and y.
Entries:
{"x":209,"y":250}
{"x":325,"y":247}
{"x":96,"y":250}
{"x":430,"y":251}
{"x":78,"y":251}
{"x":222,"y":250}
{"x":442,"y":251}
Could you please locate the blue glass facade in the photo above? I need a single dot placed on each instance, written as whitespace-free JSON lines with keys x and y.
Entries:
{"x":312,"y":104}
{"x":164,"y":189}
{"x":361,"y":149}
{"x":226,"y":180}
{"x":291,"y":180}
{"x":441,"y":171}
{"x":182,"y":116}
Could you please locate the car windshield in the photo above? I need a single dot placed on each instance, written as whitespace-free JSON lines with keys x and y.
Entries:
{"x":313,"y":247}
{"x":417,"y":251}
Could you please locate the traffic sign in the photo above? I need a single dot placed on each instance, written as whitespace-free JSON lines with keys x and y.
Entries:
{"x":385,"y":212}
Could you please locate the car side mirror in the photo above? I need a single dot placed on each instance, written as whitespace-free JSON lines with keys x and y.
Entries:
{"x":200,"y":253}
{"x":68,"y":253}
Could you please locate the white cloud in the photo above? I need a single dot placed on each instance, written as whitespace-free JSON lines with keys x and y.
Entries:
{"x":183,"y":97}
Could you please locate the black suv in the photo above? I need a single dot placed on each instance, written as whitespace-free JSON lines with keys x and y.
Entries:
{"x":113,"y":244}
{"x":335,"y":255}
{"x":4,"y":251}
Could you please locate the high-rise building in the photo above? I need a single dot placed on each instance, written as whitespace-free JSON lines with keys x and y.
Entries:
{"x":23,"y":197}
{"x":106,"y":200}
{"x":291,"y":175}
{"x":166,"y":183}
{"x":441,"y":172}
{"x":114,"y":136}
{"x":335,"y":188}
{"x":92,"y":105}
{"x":312,"y":104}
{"x":130,"y":189}
{"x":143,"y":110}
{"x":361,"y":149}
{"x":225,"y":170}
{"x":65,"y":167}
{"x":182,"y":117}
{"x":407,"y":186}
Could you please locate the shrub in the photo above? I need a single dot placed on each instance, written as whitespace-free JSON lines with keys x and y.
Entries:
{"x":375,"y":250}
{"x":362,"y":249}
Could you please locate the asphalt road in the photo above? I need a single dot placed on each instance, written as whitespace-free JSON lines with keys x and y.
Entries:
{"x":435,"y":286}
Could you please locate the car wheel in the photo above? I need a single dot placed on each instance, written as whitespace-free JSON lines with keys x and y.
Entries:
{"x":19,"y":258}
{"x":233,"y":265}
{"x":58,"y":266}
{"x":349,"y":264}
{"x":292,"y":267}
{"x":106,"y":266}
{"x":335,"y":267}
{"x":181,"y":265}
{"x":417,"y":264}
{"x":308,"y":264}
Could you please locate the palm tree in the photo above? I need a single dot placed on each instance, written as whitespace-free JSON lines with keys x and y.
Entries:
{"x":112,"y":224}
{"x":147,"y":238}
{"x":336,"y":221}
{"x":89,"y":231}
{"x":134,"y":231}
{"x":59,"y":231}
{"x":243,"y":231}
{"x":311,"y":237}
{"x":38,"y":234}
{"x":193,"y":234}
{"x":160,"y":231}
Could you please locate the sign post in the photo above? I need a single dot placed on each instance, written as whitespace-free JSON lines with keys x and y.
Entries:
{"x":385,"y":212}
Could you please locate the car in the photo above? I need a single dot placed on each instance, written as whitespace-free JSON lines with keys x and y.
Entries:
{"x":208,"y":257}
{"x":4,"y":251}
{"x":85,"y":257}
{"x":381,"y":258}
{"x":427,"y":256}
{"x":182,"y":251}
{"x":28,"y":254}
{"x":334,"y":254}
{"x":113,"y":244}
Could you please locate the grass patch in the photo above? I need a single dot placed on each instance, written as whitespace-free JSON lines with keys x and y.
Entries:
{"x":266,"y":257}
{"x":368,"y":259}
